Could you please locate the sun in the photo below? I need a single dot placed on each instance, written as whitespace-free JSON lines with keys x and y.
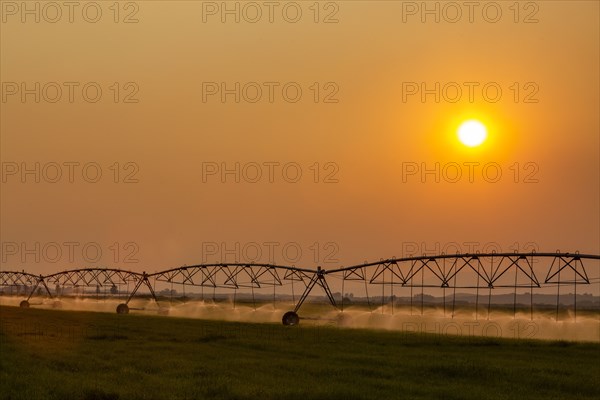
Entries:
{"x":472,"y":133}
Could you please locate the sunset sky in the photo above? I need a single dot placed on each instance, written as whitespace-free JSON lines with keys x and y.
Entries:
{"x":369,"y":202}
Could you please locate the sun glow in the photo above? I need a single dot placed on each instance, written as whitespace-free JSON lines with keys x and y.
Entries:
{"x":472,"y":133}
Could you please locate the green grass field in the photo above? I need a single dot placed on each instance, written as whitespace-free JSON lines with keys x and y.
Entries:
{"x":48,"y":354}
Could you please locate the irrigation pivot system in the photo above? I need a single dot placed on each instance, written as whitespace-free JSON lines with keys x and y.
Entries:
{"x":385,"y":285}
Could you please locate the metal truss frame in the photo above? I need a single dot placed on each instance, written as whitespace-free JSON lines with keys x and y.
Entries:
{"x":486,"y":271}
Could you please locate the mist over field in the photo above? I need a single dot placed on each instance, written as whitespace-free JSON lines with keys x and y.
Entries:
{"x":500,"y":324}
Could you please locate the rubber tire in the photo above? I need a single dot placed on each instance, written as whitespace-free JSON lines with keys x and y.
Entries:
{"x":122,"y":309}
{"x":24,"y":304}
{"x":290,"y":318}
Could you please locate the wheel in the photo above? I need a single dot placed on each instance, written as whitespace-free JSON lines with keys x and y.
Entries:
{"x":290,"y":318}
{"x":24,"y":304}
{"x":122,"y":309}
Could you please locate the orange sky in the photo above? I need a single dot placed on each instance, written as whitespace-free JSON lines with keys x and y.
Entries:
{"x":371,"y":134}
